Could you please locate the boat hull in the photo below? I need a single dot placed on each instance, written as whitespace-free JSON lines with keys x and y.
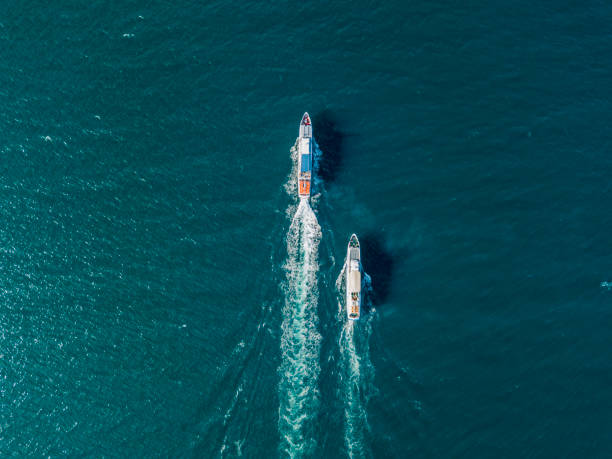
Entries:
{"x":305,"y":158}
{"x":353,"y":279}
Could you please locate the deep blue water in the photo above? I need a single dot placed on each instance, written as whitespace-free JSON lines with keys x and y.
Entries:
{"x":163,"y":294}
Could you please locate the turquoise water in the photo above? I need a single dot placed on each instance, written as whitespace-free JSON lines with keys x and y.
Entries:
{"x":163,"y":293}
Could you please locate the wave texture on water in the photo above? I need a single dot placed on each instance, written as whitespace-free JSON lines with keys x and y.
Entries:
{"x":300,"y":340}
{"x":356,"y":370}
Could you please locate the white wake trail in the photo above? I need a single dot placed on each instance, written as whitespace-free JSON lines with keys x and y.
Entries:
{"x":357,"y":372}
{"x":300,"y":339}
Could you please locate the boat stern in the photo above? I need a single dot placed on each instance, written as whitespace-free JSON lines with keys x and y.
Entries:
{"x":304,"y":188}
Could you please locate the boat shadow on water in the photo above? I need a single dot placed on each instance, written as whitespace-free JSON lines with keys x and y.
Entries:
{"x":378,"y":263}
{"x":330,"y":140}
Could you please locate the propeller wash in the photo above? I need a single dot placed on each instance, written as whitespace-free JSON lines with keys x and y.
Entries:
{"x":300,"y":338}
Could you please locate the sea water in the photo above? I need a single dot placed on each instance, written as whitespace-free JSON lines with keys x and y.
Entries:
{"x":164,"y":293}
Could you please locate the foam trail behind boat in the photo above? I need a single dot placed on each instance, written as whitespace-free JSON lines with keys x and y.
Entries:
{"x":300,"y":340}
{"x":357,"y":371}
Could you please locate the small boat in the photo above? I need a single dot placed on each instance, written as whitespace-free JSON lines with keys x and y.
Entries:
{"x":305,"y":157}
{"x":353,"y":279}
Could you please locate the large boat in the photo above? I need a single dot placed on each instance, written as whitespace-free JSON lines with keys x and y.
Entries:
{"x":353,"y":279}
{"x":305,"y":157}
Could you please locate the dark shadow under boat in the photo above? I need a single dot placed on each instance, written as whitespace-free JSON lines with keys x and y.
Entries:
{"x":378,"y":263}
{"x":330,"y":140}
